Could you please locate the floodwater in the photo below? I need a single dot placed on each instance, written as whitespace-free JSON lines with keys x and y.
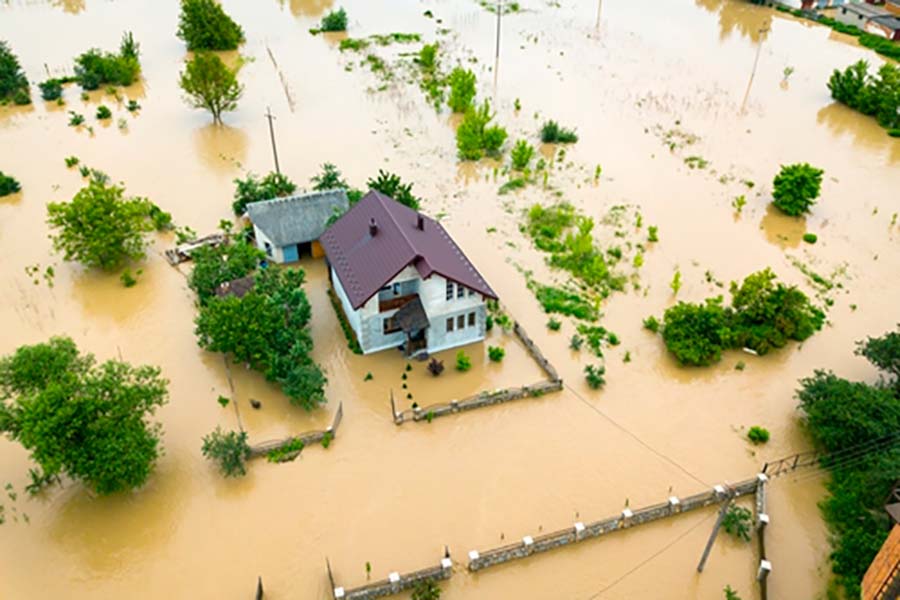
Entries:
{"x":393,"y":496}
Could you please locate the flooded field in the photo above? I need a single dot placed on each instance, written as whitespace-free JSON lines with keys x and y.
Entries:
{"x":625,"y":74}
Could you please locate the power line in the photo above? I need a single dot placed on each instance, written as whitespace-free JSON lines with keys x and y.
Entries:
{"x":636,"y":438}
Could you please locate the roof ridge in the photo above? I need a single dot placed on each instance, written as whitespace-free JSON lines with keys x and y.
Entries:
{"x":380,"y":197}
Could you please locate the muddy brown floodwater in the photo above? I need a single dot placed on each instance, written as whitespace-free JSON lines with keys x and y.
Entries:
{"x":621,"y":72}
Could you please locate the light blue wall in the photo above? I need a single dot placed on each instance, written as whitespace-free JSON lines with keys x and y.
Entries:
{"x":290,"y":253}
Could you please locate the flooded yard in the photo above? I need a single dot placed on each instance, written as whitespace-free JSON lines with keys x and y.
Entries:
{"x":630,"y":77}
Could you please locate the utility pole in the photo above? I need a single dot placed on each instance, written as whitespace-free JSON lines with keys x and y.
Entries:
{"x":271,"y":118}
{"x":712,"y":536}
{"x":762,"y":32}
{"x":497,"y":48}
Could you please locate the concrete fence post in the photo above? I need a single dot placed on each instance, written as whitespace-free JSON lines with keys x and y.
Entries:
{"x":674,"y":504}
{"x":339,"y":593}
{"x":720,"y":491}
{"x":454,"y":405}
{"x":446,"y":566}
{"x":528,"y":543}
{"x":626,"y":517}
{"x":473,"y":560}
{"x":394,"y":580}
{"x":765,"y":567}
{"x":579,"y":531}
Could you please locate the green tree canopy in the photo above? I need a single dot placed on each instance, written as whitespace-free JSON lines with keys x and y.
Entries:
{"x":209,"y":84}
{"x":204,"y":25}
{"x":13,"y":82}
{"x":252,"y":189}
{"x":100,"y":227}
{"x":230,"y":451}
{"x":796,"y":188}
{"x":215,"y":265}
{"x":391,"y":185}
{"x":81,"y":419}
{"x":884,"y":353}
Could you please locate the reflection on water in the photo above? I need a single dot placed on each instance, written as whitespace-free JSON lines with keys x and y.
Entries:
{"x":748,"y":20}
{"x":307,"y":8}
{"x":782,"y":230}
{"x":841,"y":120}
{"x":220,"y":147}
{"x":70,"y":6}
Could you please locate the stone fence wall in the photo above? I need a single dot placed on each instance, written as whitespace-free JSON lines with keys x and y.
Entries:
{"x":310,"y":437}
{"x":432,"y":411}
{"x":628,"y":518}
{"x":396,"y":583}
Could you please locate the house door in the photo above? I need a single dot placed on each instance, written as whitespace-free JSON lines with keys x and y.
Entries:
{"x":290,"y":253}
{"x":416,"y":341}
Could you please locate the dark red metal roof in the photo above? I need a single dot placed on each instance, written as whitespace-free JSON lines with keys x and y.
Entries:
{"x":364,"y":262}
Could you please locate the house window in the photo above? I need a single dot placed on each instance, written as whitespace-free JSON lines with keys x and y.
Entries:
{"x":390,"y":325}
{"x":396,"y":289}
{"x":449,"y":324}
{"x":268,"y":249}
{"x":471,"y":319}
{"x":461,"y":322}
{"x":449,"y":290}
{"x":471,"y":292}
{"x":460,"y":291}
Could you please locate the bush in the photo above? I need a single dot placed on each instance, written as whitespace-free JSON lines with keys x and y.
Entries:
{"x":95,"y":68}
{"x":462,"y":90}
{"x":554,"y":324}
{"x":810,"y":238}
{"x":697,"y":333}
{"x":133,"y":106}
{"x":204,"y":25}
{"x":127,"y":279}
{"x":594,"y":376}
{"x":796,"y":188}
{"x":758,"y":435}
{"x":13,"y":82}
{"x":463,"y":362}
{"x":391,"y":185}
{"x":557,"y":300}
{"x":103,"y":112}
{"x":251,"y":189}
{"x":874,"y":95}
{"x":427,"y":58}
{"x":738,"y":522}
{"x":552,"y":133}
{"x":72,"y":161}
{"x":576,"y":342}
{"x":651,"y":323}
{"x":229,"y":451}
{"x":496,"y":353}
{"x":8,"y":185}
{"x":435,"y":367}
{"x":208,"y":83}
{"x":329,"y":179}
{"x":335,"y":20}
{"x":474,"y":138}
{"x":100,"y":227}
{"x":521,"y":155}
{"x":51,"y":89}
{"x":75,"y":119}
{"x":426,"y":589}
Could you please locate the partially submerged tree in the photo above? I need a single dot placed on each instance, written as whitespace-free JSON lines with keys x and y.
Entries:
{"x":8,"y":185}
{"x":215,"y":265}
{"x":80,"y":419}
{"x":391,"y":185}
{"x":475,"y":138}
{"x":209,"y":84}
{"x":13,"y":82}
{"x":95,"y":68}
{"x":204,"y":25}
{"x":100,"y":227}
{"x":252,"y":189}
{"x":796,"y":188}
{"x":229,"y":450}
{"x":462,"y":90}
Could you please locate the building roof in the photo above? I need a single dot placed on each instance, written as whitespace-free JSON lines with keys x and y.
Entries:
{"x":888,"y":20}
{"x":364,"y":262}
{"x":237,"y":287}
{"x":866,"y":10}
{"x":297,"y":219}
{"x":412,"y":317}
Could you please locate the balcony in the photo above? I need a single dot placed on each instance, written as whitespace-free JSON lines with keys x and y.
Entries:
{"x":394,"y":302}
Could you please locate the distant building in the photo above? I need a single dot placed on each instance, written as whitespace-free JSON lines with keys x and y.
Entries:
{"x":287,"y":229}
{"x":871,"y":19}
{"x":402,"y":281}
{"x":887,"y":25}
{"x":893,"y":7}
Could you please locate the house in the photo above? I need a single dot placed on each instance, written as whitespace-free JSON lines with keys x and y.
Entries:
{"x":288,"y":228}
{"x":401,"y":281}
{"x":886,"y":25}
{"x":893,"y":7}
{"x":858,"y":14}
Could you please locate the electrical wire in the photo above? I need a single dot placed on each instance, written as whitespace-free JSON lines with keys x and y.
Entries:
{"x":636,"y":438}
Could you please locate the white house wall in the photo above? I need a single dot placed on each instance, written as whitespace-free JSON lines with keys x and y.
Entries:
{"x":262,"y":239}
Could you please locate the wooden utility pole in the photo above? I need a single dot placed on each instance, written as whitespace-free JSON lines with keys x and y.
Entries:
{"x":271,"y":118}
{"x":497,"y":47}
{"x":715,"y":531}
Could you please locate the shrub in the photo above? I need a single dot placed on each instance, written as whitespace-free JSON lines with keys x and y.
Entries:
{"x":435,"y":367}
{"x":521,"y":155}
{"x":594,"y":335}
{"x":613,"y":339}
{"x":252,"y":189}
{"x":208,"y":83}
{"x":391,"y":185}
{"x":758,"y":435}
{"x":554,"y":324}
{"x":71,"y":161}
{"x":335,"y":20}
{"x":737,"y":522}
{"x":653,"y":233}
{"x":594,"y":376}
{"x":329,"y":179}
{"x":730,"y":594}
{"x":204,"y":25}
{"x":133,"y":106}
{"x":516,"y":183}
{"x":427,"y":58}
{"x":796,"y":188}
{"x":874,"y":95}
{"x":474,"y":138}
{"x":557,"y":300}
{"x":223,"y":401}
{"x":426,"y":589}
{"x":462,"y":90}
{"x":496,"y":353}
{"x":286,"y":453}
{"x":494,"y":137}
{"x":127,"y":279}
{"x":13,"y":82}
{"x":576,"y":342}
{"x":810,"y":238}
{"x":697,"y":333}
{"x":8,"y":185}
{"x":95,"y":68}
{"x":463,"y":362}
{"x":552,"y":133}
{"x":100,"y":227}
{"x":229,"y":451}
{"x":651,"y":323}
{"x":103,"y":112}
{"x":51,"y":89}
{"x":75,"y":119}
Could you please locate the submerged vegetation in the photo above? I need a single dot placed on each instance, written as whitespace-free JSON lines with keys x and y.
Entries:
{"x":840,"y":416}
{"x":475,"y":138}
{"x":553,"y":133}
{"x":204,"y":25}
{"x":874,"y":95}
{"x":95,"y":68}
{"x":252,"y":189}
{"x":335,"y":20}
{"x":763,"y":315}
{"x":13,"y":82}
{"x":8,"y":185}
{"x":796,"y":188}
{"x":229,"y":450}
{"x":210,"y":84}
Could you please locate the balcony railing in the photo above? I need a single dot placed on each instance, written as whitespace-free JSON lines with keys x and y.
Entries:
{"x":393,"y":302}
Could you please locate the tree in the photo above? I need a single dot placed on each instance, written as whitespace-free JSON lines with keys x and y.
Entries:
{"x":8,"y":185}
{"x":100,"y":227}
{"x":738,"y":522}
{"x":697,"y":333}
{"x":230,"y":451}
{"x":474,"y":138}
{"x":391,"y":185}
{"x":252,"y":189}
{"x":329,"y":179}
{"x":796,"y":188}
{"x":13,"y":82}
{"x":426,"y":589}
{"x":462,"y":89}
{"x":204,"y":25}
{"x":883,"y":352}
{"x":95,"y":68}
{"x":81,"y":419}
{"x":215,"y":265}
{"x":210,"y":84}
